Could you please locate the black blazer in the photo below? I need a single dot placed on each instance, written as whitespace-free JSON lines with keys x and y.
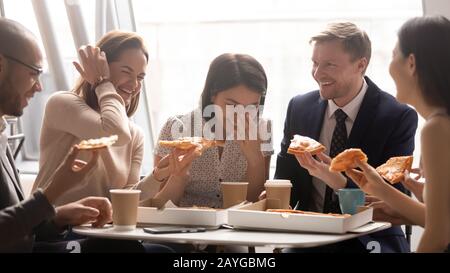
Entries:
{"x":383,"y":128}
{"x":22,"y":221}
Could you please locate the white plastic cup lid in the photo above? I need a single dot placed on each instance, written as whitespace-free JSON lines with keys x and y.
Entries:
{"x":278,"y":183}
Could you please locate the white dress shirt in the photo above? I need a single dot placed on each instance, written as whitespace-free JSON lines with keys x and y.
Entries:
{"x":5,"y":164}
{"x":3,"y":136}
{"x":4,"y":144}
{"x":326,"y":134}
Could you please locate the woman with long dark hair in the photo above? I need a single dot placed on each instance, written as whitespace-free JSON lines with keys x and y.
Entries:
{"x":420,"y":68}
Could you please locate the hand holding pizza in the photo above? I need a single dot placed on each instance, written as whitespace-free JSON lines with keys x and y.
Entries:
{"x":180,"y":161}
{"x":368,"y":179}
{"x":176,"y":163}
{"x":320,"y":168}
{"x":161,"y":172}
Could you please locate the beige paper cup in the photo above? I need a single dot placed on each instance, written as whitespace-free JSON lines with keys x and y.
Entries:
{"x":278,"y":190}
{"x":233,"y":193}
{"x":125,"y":206}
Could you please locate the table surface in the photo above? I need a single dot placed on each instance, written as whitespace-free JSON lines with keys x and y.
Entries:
{"x":226,"y":236}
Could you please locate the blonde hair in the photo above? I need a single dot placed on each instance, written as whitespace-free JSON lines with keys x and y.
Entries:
{"x":355,"y":41}
{"x":113,"y":43}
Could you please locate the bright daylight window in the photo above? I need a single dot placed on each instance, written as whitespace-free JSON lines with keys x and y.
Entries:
{"x":24,"y":12}
{"x":57,"y":38}
{"x":185,"y":36}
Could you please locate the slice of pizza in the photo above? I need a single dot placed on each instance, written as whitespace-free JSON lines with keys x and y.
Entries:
{"x":186,"y":143}
{"x":346,"y":160}
{"x":394,"y":168}
{"x":300,"y":144}
{"x":97,"y":143}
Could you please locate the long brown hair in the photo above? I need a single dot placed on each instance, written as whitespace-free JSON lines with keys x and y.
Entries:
{"x":113,"y":44}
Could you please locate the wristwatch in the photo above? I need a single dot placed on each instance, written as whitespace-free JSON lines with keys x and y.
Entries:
{"x":100,"y":80}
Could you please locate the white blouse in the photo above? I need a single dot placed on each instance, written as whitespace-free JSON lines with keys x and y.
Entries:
{"x":207,"y":171}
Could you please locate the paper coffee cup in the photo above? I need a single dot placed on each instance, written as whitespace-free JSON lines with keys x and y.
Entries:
{"x":125,"y":206}
{"x":278,"y":190}
{"x":233,"y":193}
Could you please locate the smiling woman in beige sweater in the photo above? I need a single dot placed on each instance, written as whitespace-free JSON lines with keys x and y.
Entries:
{"x":100,"y":105}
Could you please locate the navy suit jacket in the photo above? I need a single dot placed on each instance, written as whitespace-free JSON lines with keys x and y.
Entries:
{"x":22,"y":221}
{"x":383,"y":128}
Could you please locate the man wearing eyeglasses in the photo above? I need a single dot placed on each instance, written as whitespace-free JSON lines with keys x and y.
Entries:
{"x":24,"y":220}
{"x":35,"y":72}
{"x":16,"y":92}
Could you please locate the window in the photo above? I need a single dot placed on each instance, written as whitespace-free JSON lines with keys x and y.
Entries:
{"x":183,"y":41}
{"x":185,"y":36}
{"x":52,"y":80}
{"x":49,"y":21}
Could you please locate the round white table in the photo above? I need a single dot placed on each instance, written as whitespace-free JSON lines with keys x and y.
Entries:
{"x":226,"y":236}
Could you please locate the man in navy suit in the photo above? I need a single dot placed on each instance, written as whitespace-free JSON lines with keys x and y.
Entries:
{"x":348,"y":111}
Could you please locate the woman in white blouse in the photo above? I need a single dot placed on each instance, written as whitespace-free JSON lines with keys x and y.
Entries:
{"x":232,"y":80}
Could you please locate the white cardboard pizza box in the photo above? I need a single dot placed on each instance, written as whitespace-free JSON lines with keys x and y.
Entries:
{"x":173,"y":215}
{"x":255,"y":217}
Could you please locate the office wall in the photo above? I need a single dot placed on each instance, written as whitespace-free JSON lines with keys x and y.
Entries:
{"x":436,"y":7}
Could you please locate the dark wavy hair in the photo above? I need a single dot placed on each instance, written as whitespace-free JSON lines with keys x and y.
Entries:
{"x":230,"y":70}
{"x":428,"y":39}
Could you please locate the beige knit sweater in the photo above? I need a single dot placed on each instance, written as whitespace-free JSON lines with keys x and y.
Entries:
{"x":68,"y":120}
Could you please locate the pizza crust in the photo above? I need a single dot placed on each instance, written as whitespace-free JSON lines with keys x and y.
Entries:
{"x":300,"y":144}
{"x":97,"y":143}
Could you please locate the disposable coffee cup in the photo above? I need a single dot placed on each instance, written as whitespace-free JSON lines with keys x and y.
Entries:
{"x":233,"y":193}
{"x":125,"y":206}
{"x":278,"y":190}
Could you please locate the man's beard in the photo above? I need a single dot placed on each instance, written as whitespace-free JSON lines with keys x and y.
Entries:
{"x":10,"y":102}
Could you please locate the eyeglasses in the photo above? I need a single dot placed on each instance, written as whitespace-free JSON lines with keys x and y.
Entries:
{"x":36,"y":69}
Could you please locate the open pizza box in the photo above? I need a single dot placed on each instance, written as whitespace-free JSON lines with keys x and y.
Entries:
{"x":255,"y":217}
{"x":154,"y":211}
